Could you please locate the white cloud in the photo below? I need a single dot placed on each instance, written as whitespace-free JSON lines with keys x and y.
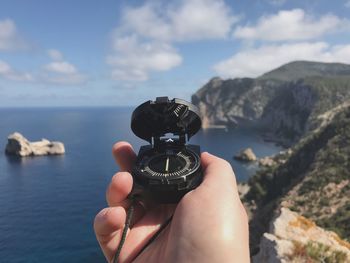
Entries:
{"x":7,"y":72}
{"x":291,"y":25}
{"x":54,"y":54}
{"x":61,"y":67}
{"x":9,"y":37}
{"x":256,"y":61}
{"x":133,"y":61}
{"x":187,"y":21}
{"x":60,"y":71}
{"x":142,"y":43}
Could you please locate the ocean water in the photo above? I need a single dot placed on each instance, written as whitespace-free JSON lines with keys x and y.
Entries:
{"x":47,"y":204}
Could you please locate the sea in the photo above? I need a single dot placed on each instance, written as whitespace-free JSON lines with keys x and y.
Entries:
{"x":48,"y":204}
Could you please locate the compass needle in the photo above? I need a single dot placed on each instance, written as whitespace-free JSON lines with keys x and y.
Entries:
{"x":167,"y":165}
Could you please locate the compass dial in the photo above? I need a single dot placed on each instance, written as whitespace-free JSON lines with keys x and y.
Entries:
{"x":170,"y":164}
{"x":167,"y":164}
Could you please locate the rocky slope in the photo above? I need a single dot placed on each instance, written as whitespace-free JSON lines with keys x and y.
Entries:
{"x":285,"y":103}
{"x":294,"y":238}
{"x":314,"y":181}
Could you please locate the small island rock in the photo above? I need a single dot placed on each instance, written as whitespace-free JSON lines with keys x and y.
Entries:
{"x":18,"y":145}
{"x":246,"y":155}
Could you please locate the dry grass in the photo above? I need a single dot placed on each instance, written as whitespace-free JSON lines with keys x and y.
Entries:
{"x":302,"y":223}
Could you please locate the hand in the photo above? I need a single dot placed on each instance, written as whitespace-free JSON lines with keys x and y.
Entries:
{"x":209,"y":223}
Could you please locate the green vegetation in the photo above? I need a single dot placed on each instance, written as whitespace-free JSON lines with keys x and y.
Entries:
{"x":339,"y":221}
{"x":329,"y":91}
{"x":320,"y":167}
{"x":303,"y":69}
{"x":314,"y":252}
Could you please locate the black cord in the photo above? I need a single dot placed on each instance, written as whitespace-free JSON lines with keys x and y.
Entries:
{"x":125,"y":230}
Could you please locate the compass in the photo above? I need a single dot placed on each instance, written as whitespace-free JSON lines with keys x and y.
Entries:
{"x":167,"y":168}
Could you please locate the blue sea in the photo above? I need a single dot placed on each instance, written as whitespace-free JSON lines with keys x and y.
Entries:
{"x":48,"y":204}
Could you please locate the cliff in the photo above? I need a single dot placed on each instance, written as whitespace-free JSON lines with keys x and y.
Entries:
{"x":313,"y":181}
{"x":285,"y":103}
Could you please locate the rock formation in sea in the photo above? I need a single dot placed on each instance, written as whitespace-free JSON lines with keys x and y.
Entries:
{"x":285,"y":103}
{"x":246,"y":155}
{"x":18,"y":145}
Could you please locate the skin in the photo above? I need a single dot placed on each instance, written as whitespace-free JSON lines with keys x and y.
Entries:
{"x":209,"y":224}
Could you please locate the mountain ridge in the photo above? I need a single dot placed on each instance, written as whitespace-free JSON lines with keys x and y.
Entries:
{"x":302,"y":68}
{"x":284,"y":109}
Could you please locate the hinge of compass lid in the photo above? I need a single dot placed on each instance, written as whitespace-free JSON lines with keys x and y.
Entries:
{"x":176,"y":137}
{"x":160,"y":100}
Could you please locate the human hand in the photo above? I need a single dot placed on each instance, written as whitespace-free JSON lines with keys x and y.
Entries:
{"x":209,"y":223}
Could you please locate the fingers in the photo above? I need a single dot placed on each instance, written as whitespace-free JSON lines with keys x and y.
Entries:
{"x":144,"y":230}
{"x":117,"y":192}
{"x":217,"y":171}
{"x":108,"y":226}
{"x":124,"y":155}
{"x":119,"y":188}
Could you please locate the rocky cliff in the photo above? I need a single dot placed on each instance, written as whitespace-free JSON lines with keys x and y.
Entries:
{"x":285,"y":103}
{"x":313,"y":181}
{"x":294,"y":238}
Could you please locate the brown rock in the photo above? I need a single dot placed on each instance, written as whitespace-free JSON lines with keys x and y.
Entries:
{"x":246,"y":155}
{"x":18,"y":145}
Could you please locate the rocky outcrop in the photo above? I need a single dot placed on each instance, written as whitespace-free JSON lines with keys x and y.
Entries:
{"x":246,"y":155}
{"x":18,"y":145}
{"x":280,"y":158}
{"x":267,"y":161}
{"x":294,"y":238}
{"x":312,"y":179}
{"x":243,"y":189}
{"x":285,"y":103}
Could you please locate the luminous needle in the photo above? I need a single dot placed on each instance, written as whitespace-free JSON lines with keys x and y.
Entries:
{"x":167,"y":165}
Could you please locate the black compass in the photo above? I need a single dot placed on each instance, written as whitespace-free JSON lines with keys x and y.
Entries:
{"x":167,"y":168}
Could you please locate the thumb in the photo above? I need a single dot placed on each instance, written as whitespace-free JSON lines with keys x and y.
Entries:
{"x":217,"y":172}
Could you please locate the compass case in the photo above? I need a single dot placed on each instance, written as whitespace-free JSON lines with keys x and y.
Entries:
{"x":153,"y":121}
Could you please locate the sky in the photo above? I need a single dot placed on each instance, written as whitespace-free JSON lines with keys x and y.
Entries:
{"x":122,"y":53}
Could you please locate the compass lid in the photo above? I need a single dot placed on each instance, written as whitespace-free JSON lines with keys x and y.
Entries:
{"x":153,"y":119}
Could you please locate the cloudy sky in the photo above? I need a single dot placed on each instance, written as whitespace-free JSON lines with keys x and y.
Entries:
{"x":119,"y":53}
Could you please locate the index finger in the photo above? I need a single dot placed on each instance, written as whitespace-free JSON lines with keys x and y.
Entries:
{"x":124,"y":155}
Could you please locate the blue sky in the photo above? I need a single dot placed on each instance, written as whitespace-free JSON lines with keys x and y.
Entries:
{"x":120,"y":53}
